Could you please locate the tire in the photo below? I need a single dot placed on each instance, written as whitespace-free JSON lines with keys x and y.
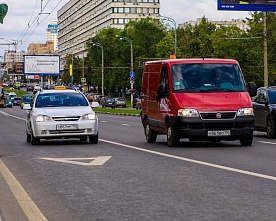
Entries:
{"x":94,"y":139}
{"x":34,"y":140}
{"x":270,"y":128}
{"x":28,"y":137}
{"x":172,"y":138}
{"x":246,"y":140}
{"x":150,"y":134}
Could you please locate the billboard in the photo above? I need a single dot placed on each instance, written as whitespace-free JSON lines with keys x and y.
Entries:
{"x":42,"y":65}
{"x":247,"y":5}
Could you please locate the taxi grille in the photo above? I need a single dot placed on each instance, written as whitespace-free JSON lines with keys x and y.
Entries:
{"x":72,"y":118}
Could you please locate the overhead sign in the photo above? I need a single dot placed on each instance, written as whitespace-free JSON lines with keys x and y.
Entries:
{"x":247,"y":5}
{"x":42,"y":64}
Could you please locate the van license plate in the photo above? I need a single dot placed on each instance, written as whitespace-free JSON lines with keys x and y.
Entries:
{"x":67,"y":127}
{"x":218,"y":133}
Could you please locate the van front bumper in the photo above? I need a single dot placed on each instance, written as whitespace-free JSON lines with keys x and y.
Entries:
{"x":199,"y":129}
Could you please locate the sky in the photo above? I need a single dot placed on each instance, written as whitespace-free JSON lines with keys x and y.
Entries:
{"x":27,"y":20}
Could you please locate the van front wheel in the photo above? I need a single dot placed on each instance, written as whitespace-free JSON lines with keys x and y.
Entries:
{"x":150,"y":134}
{"x":246,"y":140}
{"x":172,"y":138}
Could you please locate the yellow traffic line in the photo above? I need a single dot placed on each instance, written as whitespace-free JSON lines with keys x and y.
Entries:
{"x":28,"y":206}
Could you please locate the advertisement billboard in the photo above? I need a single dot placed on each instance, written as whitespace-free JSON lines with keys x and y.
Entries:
{"x":42,"y":65}
{"x":247,"y":5}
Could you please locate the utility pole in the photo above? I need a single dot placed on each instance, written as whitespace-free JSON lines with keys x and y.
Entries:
{"x":265,"y":51}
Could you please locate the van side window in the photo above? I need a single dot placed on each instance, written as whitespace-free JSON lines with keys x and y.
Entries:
{"x":164,"y":78}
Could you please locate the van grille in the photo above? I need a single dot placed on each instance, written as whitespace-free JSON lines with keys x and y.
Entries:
{"x":218,"y":115}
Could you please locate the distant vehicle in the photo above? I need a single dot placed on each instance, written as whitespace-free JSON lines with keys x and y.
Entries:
{"x":16,"y":101}
{"x":59,"y":114}
{"x":109,"y":102}
{"x":138,"y":105}
{"x":264,"y":105}
{"x":135,"y":100}
{"x":30,"y":88}
{"x":120,"y":102}
{"x":36,"y":89}
{"x":90,"y":97}
{"x":13,"y":95}
{"x":26,"y":99}
{"x":8,"y":101}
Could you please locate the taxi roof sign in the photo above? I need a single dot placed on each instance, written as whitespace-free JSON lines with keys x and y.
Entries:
{"x":60,"y":87}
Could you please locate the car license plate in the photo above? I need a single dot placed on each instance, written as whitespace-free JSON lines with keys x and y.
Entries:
{"x":218,"y":133}
{"x":67,"y":126}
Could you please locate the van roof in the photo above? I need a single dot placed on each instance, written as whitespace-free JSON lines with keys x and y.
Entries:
{"x":194,"y":60}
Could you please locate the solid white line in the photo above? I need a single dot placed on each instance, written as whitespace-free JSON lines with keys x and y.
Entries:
{"x":28,"y":206}
{"x":267,"y":142}
{"x":195,"y":161}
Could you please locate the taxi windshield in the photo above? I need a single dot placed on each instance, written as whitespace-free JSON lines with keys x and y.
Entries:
{"x":60,"y":100}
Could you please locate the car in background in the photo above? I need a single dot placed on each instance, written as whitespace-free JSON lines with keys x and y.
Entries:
{"x":135,"y":100}
{"x":264,"y":106}
{"x":12,"y":95}
{"x":36,"y":89}
{"x":90,"y":97}
{"x":138,"y":105}
{"x":26,"y":99}
{"x":8,"y":101}
{"x":61,"y":114}
{"x":120,"y":102}
{"x":109,"y":102}
{"x":16,"y":101}
{"x":30,"y":88}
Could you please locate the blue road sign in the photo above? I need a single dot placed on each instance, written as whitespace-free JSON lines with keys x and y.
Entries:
{"x":132,"y":74}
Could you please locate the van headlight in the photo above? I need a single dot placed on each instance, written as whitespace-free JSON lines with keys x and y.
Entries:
{"x":188,"y":113}
{"x":43,"y":118}
{"x":245,"y":111}
{"x":89,"y":117}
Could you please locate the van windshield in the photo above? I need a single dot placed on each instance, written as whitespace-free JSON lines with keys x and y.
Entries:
{"x":207,"y":77}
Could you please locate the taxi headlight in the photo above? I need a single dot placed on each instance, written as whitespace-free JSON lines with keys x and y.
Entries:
{"x":89,"y":117}
{"x":43,"y":118}
{"x":188,"y":113}
{"x":245,"y":111}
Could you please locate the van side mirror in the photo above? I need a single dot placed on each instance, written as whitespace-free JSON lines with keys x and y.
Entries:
{"x":161,"y":91}
{"x":252,"y":89}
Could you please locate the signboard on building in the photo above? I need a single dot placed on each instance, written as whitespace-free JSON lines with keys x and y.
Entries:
{"x":247,"y":5}
{"x":42,"y":65}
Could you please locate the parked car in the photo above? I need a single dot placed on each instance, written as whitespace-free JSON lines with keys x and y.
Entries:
{"x":135,"y":100}
{"x":120,"y":102}
{"x":8,"y":101}
{"x":16,"y":101}
{"x":109,"y":102}
{"x":264,"y":105}
{"x":26,"y":99}
{"x":138,"y":105}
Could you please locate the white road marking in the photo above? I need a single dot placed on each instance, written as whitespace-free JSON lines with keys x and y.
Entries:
{"x":103,"y":121}
{"x":28,"y":206}
{"x":267,"y":142}
{"x":4,"y":113}
{"x":195,"y":161}
{"x":96,"y":161}
{"x":126,"y":125}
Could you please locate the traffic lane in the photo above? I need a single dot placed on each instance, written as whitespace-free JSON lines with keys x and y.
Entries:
{"x":258,"y":158}
{"x":144,"y":186}
{"x":63,"y":180}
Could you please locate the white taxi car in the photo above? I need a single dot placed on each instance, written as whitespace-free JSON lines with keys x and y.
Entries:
{"x":61,"y":113}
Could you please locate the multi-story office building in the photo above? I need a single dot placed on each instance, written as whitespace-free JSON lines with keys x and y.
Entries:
{"x":47,"y":48}
{"x":79,"y":20}
{"x":52,"y":33}
{"x":240,"y":23}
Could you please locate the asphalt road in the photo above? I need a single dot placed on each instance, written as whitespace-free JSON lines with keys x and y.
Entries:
{"x":123,"y":178}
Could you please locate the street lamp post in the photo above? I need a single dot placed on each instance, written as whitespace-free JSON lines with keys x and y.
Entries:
{"x":175,"y":37}
{"x":99,"y":45}
{"x":131,"y":63}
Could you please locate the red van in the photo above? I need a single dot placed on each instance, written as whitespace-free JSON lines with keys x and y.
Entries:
{"x":198,"y":99}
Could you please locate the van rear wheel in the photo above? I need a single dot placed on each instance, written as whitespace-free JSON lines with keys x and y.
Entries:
{"x":150,"y":134}
{"x":172,"y":138}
